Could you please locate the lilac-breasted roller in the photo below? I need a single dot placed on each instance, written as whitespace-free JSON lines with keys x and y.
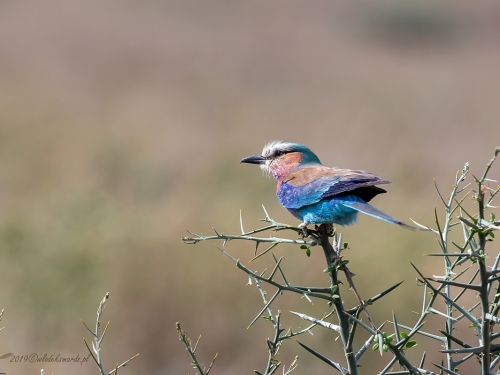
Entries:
{"x":317,"y":194}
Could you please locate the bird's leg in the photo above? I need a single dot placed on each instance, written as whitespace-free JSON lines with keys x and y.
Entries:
{"x":305,"y":231}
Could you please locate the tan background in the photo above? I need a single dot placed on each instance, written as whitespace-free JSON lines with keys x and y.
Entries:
{"x":122,"y":124}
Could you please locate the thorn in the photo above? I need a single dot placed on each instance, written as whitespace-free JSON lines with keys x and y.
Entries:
{"x":267,"y":215}
{"x":241,"y":224}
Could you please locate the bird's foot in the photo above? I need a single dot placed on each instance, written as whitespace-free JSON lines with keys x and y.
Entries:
{"x":305,"y":231}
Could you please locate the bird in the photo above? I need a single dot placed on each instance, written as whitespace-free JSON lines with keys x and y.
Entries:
{"x":316,"y":194}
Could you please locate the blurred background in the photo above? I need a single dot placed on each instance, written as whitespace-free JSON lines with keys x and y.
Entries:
{"x":122,"y":124}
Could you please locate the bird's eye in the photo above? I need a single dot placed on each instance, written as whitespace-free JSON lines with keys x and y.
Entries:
{"x":279,"y":153}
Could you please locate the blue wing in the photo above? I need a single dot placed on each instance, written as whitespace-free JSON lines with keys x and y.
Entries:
{"x":309,"y":185}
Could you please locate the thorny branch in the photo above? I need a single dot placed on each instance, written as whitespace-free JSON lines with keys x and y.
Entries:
{"x":335,"y":263}
{"x":97,"y":341}
{"x":192,"y":351}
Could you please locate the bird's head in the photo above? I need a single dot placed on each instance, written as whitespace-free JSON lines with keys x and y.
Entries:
{"x":279,"y":158}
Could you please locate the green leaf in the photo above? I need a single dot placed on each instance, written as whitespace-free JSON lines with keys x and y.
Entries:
{"x":308,"y":252}
{"x":375,"y":347}
{"x":410,"y":344}
{"x":341,"y":265}
{"x":385,"y":347}
{"x":375,"y":338}
{"x":403,"y":335}
{"x":328,"y":270}
{"x":303,"y":247}
{"x":344,"y":245}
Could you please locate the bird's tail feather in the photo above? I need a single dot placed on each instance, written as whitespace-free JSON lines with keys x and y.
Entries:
{"x":370,"y":210}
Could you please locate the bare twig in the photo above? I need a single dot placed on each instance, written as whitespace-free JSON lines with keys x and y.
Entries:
{"x":95,"y":352}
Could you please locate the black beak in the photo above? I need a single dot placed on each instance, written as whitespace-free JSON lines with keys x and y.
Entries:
{"x":254,"y":159}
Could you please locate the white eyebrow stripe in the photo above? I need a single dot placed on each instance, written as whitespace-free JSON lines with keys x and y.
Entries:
{"x":271,"y":148}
